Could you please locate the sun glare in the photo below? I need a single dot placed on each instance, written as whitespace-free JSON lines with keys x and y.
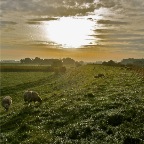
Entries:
{"x":70,"y":32}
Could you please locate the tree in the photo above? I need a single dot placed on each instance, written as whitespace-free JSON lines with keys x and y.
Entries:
{"x":27,"y":60}
{"x":22,"y":60}
{"x":57,"y":63}
{"x":68,"y":61}
{"x":37,"y":60}
{"x":111,"y":63}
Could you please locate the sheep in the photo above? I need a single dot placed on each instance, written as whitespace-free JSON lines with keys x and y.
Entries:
{"x":6,"y":102}
{"x":99,"y":75}
{"x":32,"y":96}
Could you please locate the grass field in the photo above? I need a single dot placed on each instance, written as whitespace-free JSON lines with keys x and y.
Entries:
{"x":77,"y":108}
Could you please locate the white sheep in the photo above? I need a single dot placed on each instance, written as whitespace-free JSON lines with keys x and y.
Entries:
{"x":31,"y":96}
{"x":6,"y":102}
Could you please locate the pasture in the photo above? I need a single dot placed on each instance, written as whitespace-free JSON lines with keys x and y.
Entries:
{"x":77,"y":107}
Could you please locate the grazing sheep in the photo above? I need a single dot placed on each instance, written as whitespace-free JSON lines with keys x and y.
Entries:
{"x":31,"y":96}
{"x":128,"y":68}
{"x":99,"y":76}
{"x":6,"y":102}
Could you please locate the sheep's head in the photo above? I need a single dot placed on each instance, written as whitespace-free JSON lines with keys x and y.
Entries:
{"x":6,"y":102}
{"x":39,"y":100}
{"x":6,"y":107}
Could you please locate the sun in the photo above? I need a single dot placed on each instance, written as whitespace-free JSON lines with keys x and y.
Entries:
{"x":69,"y":32}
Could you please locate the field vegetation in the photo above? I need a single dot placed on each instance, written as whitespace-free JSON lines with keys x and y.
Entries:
{"x":78,"y":107}
{"x":25,"y":68}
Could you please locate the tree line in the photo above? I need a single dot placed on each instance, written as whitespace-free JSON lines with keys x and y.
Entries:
{"x":132,"y":61}
{"x":52,"y":62}
{"x":126,"y":62}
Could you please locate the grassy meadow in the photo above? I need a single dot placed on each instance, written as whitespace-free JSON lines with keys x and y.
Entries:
{"x":77,"y":107}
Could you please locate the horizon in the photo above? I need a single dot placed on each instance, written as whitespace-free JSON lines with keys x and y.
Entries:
{"x":18,"y":60}
{"x":91,"y":30}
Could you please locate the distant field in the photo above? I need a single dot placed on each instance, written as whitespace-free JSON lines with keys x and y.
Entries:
{"x":11,"y":80}
{"x":25,"y":68}
{"x":78,"y":107}
{"x":17,"y":64}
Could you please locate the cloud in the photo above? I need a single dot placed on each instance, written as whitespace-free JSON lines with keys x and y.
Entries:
{"x":125,"y":35}
{"x":47,"y":7}
{"x":116,"y":36}
{"x":126,"y":40}
{"x":65,"y":7}
{"x":37,"y":21}
{"x":140,"y":30}
{"x":118,"y":23}
{"x":107,"y":3}
{"x":44,"y":19}
{"x":122,"y":3}
{"x":132,"y":3}
{"x":106,"y":31}
{"x":50,"y":43}
{"x":33,"y":23}
{"x":6,"y":23}
{"x":111,"y":22}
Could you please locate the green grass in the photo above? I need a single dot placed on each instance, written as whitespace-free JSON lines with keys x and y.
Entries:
{"x":77,"y":107}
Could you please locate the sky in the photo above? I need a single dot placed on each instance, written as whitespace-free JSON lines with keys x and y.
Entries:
{"x":88,"y":30}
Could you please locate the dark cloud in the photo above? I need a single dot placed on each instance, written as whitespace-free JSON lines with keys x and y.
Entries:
{"x":125,"y":35}
{"x":65,"y":7}
{"x":48,"y":7}
{"x":33,"y":22}
{"x":111,"y":22}
{"x":127,"y":40}
{"x":135,"y":14}
{"x":7,"y":23}
{"x":140,"y":30}
{"x":116,"y":36}
{"x":37,"y":21}
{"x":105,"y":31}
{"x":123,"y":47}
{"x":44,"y":19}
{"x":44,"y":45}
{"x":51,"y":43}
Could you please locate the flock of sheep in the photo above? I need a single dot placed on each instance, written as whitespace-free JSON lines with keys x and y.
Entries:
{"x":29,"y":96}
